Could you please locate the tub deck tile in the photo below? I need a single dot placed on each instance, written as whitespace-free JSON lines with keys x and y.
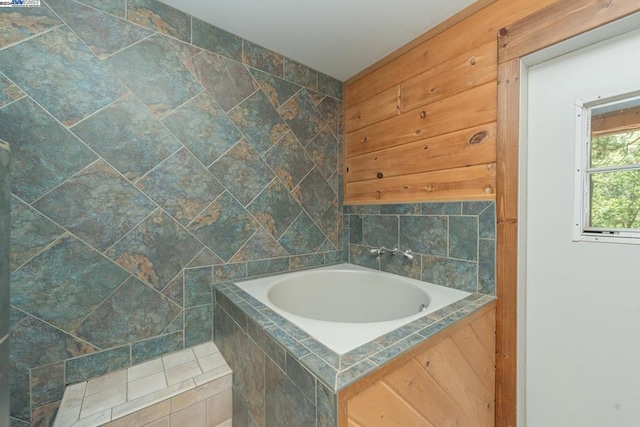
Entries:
{"x":278,"y":337}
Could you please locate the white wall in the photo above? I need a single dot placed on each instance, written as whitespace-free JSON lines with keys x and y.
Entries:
{"x":582,"y":299}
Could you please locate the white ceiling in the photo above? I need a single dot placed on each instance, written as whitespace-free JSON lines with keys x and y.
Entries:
{"x":337,"y":37}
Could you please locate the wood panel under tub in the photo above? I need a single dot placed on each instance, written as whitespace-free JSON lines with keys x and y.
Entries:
{"x":447,"y":380}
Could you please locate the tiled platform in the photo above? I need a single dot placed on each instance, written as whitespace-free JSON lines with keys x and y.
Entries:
{"x":188,"y":388}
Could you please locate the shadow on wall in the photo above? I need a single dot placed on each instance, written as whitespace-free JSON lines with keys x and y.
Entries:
{"x":152,"y":155}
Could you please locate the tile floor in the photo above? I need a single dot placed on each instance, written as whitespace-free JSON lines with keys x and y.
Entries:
{"x":188,"y":388}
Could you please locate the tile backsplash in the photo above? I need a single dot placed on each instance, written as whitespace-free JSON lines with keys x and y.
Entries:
{"x":152,"y":154}
{"x":453,"y":243}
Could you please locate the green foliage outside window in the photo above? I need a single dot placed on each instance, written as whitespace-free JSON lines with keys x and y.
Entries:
{"x":615,"y":195}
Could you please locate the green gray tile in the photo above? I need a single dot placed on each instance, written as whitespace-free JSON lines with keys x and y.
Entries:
{"x":227,"y":81}
{"x":260,"y":246}
{"x":289,"y":161}
{"x":38,"y":165}
{"x":302,"y":116}
{"x":259,"y":122}
{"x":198,"y":325}
{"x":30,"y":233}
{"x":104,"y":34}
{"x":203,"y":128}
{"x":424,"y":234}
{"x":132,"y":313}
{"x":243,"y":172}
{"x":65,"y":283}
{"x":261,"y":58}
{"x":128,"y":136}
{"x":8,"y":91}
{"x":452,"y":273}
{"x":160,"y":17}
{"x":97,"y":204}
{"x":63,"y":75}
{"x":224,"y":226}
{"x":300,"y":74}
{"x":155,"y":75}
{"x":323,"y":149}
{"x":302,"y":237}
{"x":277,"y":90}
{"x":155,"y":250}
{"x":275,"y":208}
{"x":181,"y":186}
{"x":463,"y":237}
{"x":216,"y":40}
{"x":24,"y":22}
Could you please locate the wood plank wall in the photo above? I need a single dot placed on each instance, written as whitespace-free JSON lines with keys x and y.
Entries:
{"x":448,"y":382}
{"x":422,"y":126}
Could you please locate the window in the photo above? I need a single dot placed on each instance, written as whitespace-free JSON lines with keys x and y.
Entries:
{"x":607,"y":199}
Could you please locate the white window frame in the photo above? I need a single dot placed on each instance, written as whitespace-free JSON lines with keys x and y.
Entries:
{"x":581,"y":231}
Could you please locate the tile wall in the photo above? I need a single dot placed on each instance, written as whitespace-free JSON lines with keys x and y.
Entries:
{"x":4,"y":281}
{"x":453,"y":243}
{"x":152,"y":155}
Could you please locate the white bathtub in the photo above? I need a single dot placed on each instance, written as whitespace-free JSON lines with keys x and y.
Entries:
{"x":345,"y":306}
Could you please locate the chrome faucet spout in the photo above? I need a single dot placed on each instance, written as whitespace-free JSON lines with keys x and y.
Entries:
{"x":395,"y":251}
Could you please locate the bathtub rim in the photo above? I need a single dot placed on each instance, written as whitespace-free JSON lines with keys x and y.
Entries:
{"x":242,"y":309}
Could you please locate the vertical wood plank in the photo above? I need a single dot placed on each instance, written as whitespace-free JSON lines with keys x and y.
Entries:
{"x":507,"y":242}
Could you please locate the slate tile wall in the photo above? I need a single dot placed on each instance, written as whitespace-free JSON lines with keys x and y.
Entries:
{"x":152,"y":154}
{"x":453,"y":243}
{"x":4,"y":280}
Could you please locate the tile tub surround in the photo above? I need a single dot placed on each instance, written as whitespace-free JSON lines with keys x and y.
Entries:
{"x":278,"y":366}
{"x":454,"y":243}
{"x":191,"y":387}
{"x":4,"y":280}
{"x":152,"y":155}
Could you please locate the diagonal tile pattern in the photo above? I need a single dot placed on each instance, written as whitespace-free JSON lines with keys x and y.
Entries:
{"x":63,"y":75}
{"x":146,"y":164}
{"x":224,"y":226}
{"x":25,"y":23}
{"x":242,"y":171}
{"x":132,"y":313}
{"x":104,"y":34}
{"x":37,"y":165}
{"x":203,"y":128}
{"x":226,"y":80}
{"x":97,"y":204}
{"x":155,"y":75}
{"x":65,"y":283}
{"x":182,"y":186}
{"x":128,"y":136}
{"x":156,"y":250}
{"x":259,"y":122}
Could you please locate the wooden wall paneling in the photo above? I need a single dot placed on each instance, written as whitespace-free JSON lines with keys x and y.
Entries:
{"x":482,"y":362}
{"x":423,"y":393}
{"x":467,"y":147}
{"x":450,"y":369}
{"x":379,"y":107}
{"x":463,"y":110}
{"x":468,"y":183}
{"x":473,"y":68}
{"x":435,"y":384}
{"x":474,"y":31}
{"x":559,"y":22}
{"x":379,"y":406}
{"x":507,"y":243}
